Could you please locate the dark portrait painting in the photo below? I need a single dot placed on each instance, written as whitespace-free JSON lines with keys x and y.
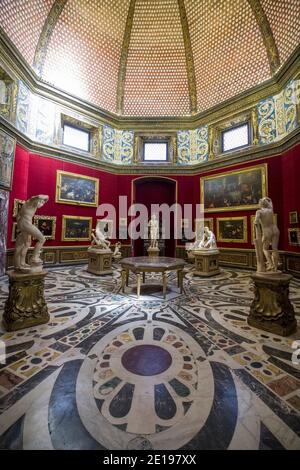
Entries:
{"x":76,"y":228}
{"x":46,"y":225}
{"x":241,"y":189}
{"x":76,"y":189}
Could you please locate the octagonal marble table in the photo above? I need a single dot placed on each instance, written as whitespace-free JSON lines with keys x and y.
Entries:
{"x":148,"y":264}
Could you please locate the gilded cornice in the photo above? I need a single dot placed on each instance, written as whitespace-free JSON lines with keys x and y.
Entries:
{"x":17,"y":64}
{"x":123,"y":58}
{"x":267,"y":35}
{"x":190,"y":69}
{"x":255,"y":153}
{"x":45,"y":36}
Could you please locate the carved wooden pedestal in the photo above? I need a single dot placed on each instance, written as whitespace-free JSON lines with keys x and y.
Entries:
{"x":206,"y":262}
{"x":26,"y":305}
{"x":271,"y":309}
{"x":153,"y":251}
{"x":99,"y":261}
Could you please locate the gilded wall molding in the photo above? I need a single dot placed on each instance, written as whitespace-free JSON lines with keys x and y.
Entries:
{"x":267,"y":35}
{"x":45,"y":36}
{"x":190,"y":68}
{"x":123,"y":58}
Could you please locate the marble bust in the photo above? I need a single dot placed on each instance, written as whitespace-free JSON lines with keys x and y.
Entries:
{"x":266,"y":235}
{"x":99,"y":239}
{"x":26,"y":230}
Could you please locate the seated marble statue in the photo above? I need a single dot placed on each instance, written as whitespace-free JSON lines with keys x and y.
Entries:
{"x":153,"y":224}
{"x":208,"y":241}
{"x":26,"y":230}
{"x":99,"y":239}
{"x":117,"y":253}
{"x":266,"y":235}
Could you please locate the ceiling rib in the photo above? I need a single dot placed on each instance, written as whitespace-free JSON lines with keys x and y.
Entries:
{"x":190,"y":68}
{"x":267,"y":35}
{"x":45,"y":36}
{"x":123,"y":58}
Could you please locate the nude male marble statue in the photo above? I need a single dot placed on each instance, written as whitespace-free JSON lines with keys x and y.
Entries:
{"x":266,"y":235}
{"x":26,"y":230}
{"x":99,"y":240}
{"x":153,"y":225}
{"x":208,"y":240}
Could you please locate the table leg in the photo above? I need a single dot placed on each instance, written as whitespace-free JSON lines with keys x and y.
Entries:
{"x":123,"y":279}
{"x":164,"y":276}
{"x":144,"y":277}
{"x":138,"y":288}
{"x":127,"y":277}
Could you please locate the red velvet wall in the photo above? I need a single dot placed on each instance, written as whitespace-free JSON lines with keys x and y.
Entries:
{"x":35,"y":174}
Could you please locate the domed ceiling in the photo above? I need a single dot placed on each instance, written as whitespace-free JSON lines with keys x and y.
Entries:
{"x":153,"y":57}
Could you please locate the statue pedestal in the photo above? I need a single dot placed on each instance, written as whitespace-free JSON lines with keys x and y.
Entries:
{"x":271,"y":309}
{"x":153,"y":251}
{"x":206,"y":262}
{"x":26,"y":305}
{"x":117,"y":257}
{"x":99,"y":261}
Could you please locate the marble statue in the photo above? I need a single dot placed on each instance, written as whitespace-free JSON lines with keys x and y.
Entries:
{"x":266,"y":235}
{"x":26,"y":230}
{"x":208,"y":240}
{"x":99,"y":239}
{"x":117,"y":253}
{"x":153,"y":225}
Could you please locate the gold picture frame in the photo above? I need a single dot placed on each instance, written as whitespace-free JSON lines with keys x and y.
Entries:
{"x":294,"y":236}
{"x":231,"y":226}
{"x":293,"y":217}
{"x":47,"y":225}
{"x":82,"y":190}
{"x":252,"y":226}
{"x":18,"y":203}
{"x":70,"y":233}
{"x":255,"y":186}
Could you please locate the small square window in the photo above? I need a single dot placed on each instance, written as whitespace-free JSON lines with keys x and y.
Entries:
{"x":155,"y":151}
{"x":235,"y":138}
{"x":76,"y":137}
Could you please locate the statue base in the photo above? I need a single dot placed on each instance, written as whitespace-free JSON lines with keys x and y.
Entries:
{"x":99,"y":261}
{"x":271,"y":309}
{"x":153,"y":251}
{"x":26,"y":305}
{"x":117,"y":258}
{"x":206,"y":262}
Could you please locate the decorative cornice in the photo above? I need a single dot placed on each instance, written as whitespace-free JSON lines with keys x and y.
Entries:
{"x":123,"y":58}
{"x":255,"y":153}
{"x":190,"y":68}
{"x":45,"y":36}
{"x":267,"y":35}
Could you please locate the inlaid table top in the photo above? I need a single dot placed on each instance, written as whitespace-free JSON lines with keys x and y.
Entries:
{"x":153,"y":262}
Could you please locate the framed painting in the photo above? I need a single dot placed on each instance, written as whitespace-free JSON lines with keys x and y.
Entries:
{"x":252,"y":226}
{"x":76,"y":228}
{"x":294,"y":236}
{"x":76,"y":189}
{"x":293,"y":217}
{"x":47,"y":225}
{"x":106,"y":227}
{"x":7,"y":156}
{"x":232,"y":229}
{"x":18,"y":203}
{"x":234,"y":190}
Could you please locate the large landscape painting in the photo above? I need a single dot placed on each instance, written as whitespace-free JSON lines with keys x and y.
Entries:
{"x":234,"y":190}
{"x":76,"y":189}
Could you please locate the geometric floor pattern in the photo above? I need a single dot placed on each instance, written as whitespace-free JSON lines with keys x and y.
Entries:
{"x":110,"y":371}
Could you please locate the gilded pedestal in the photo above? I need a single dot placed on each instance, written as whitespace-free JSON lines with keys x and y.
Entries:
{"x":153,"y":251}
{"x":26,"y":305}
{"x":206,"y":262}
{"x":99,"y":261}
{"x":271,"y":309}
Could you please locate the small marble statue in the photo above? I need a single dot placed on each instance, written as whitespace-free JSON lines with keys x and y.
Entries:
{"x":208,"y":241}
{"x":117,"y":253}
{"x":99,"y":239}
{"x":266,"y":234}
{"x":153,"y":224}
{"x":26,"y":230}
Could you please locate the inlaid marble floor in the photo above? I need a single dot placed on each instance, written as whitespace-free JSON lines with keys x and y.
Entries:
{"x":113,"y":372}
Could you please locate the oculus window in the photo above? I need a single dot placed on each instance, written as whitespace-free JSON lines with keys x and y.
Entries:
{"x":235,"y":137}
{"x":155,"y":151}
{"x":76,"y":137}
